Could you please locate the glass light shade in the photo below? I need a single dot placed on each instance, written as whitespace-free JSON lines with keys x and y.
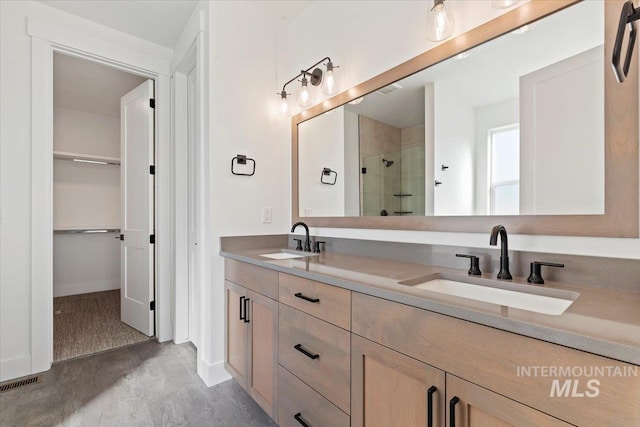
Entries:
{"x":329,"y":81}
{"x":440,"y":23}
{"x":503,"y":4}
{"x":283,"y":108}
{"x":304,"y":98}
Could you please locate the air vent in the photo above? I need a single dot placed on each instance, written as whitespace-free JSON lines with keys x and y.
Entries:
{"x":20,"y":383}
{"x":391,"y":88}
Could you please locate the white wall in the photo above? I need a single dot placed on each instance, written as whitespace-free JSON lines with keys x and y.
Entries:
{"x":15,"y":168}
{"x":571,"y":127}
{"x":323,"y":148}
{"x":367,"y":38}
{"x":245,"y":70}
{"x":85,"y":263}
{"x":453,"y":147}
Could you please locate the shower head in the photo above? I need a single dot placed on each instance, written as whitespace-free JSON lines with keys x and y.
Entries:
{"x":387,"y":162}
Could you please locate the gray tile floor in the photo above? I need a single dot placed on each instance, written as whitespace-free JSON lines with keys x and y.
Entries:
{"x":147,"y":384}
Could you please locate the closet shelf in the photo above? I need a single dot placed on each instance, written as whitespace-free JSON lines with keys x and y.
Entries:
{"x":87,"y":158}
{"x":87,"y":230}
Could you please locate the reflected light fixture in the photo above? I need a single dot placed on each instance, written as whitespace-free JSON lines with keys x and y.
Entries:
{"x":305,"y":95}
{"x":440,"y":23}
{"x":503,"y":4}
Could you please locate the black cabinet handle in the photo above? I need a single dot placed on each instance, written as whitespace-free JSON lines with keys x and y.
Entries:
{"x":242,"y":316}
{"x":430,"y":392}
{"x":305,"y":352}
{"x":298,"y":418}
{"x":299,"y":295}
{"x":246,"y":310}
{"x":452,"y":410}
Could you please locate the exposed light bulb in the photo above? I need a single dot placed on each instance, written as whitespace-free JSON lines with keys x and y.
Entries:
{"x":440,"y":23}
{"x":329,"y":81}
{"x":503,"y":4}
{"x":304,"y":97}
{"x":283,"y":110}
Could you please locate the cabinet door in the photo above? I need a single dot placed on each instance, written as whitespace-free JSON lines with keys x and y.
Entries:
{"x":262,"y":384}
{"x":474,"y":406}
{"x":236,"y":332}
{"x":390,"y":389}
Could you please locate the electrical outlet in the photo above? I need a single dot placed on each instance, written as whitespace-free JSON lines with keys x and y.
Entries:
{"x":266,"y":215}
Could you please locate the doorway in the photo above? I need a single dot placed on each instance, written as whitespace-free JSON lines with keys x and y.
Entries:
{"x":103,"y":208}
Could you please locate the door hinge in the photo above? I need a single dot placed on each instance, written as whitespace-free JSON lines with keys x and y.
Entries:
{"x":152,"y":305}
{"x":152,"y":169}
{"x":152,"y":239}
{"x":122,"y":237}
{"x":152,"y":103}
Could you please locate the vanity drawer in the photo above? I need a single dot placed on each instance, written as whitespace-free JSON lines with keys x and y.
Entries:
{"x":513,"y":365}
{"x":329,"y":373}
{"x":258,"y":279}
{"x":323,"y":301}
{"x":297,"y":398}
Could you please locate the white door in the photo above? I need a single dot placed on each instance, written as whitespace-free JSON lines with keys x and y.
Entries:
{"x":136,"y":182}
{"x":194,"y":158}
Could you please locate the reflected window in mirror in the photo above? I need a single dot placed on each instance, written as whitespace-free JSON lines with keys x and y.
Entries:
{"x":504,"y":170}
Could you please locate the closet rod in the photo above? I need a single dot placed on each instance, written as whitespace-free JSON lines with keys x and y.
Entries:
{"x":88,"y":231}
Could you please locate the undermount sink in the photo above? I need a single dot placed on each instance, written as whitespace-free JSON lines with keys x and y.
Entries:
{"x":514,"y":295}
{"x":287,"y":254}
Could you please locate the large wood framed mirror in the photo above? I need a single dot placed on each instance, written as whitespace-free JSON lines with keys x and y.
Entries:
{"x":498,"y":125}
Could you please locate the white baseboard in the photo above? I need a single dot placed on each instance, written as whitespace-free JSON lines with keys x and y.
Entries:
{"x":84,"y":288}
{"x":212,"y":373}
{"x":15,"y":368}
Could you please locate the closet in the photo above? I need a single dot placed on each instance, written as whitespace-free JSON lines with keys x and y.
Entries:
{"x":87,"y":197}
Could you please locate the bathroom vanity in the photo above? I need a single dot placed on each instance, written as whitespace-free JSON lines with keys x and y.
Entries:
{"x":339,"y":340}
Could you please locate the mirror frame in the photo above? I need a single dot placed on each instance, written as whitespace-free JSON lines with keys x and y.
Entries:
{"x":621,"y":141}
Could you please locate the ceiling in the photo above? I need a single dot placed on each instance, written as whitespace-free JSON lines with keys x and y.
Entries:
{"x":86,"y":86}
{"x":158,"y":21}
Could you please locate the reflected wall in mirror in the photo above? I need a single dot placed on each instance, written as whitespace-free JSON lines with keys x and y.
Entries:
{"x":514,"y":126}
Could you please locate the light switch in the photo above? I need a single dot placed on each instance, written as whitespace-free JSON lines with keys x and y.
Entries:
{"x":266,"y":215}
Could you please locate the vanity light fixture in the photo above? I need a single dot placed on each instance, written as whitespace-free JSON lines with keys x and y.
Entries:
{"x":440,"y":23}
{"x":503,"y":4}
{"x":305,"y":95}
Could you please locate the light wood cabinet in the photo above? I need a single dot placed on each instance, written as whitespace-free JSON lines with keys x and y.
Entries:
{"x":326,"y":302}
{"x":469,"y":405}
{"x":390,"y":389}
{"x":498,"y":360}
{"x":317,"y":352}
{"x":300,"y":405}
{"x":252,"y":344}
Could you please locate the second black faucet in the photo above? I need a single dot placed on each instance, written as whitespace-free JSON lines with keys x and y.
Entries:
{"x":504,"y":273}
{"x":307,"y":241}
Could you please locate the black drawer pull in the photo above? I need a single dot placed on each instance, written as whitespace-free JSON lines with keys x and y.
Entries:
{"x":298,"y":418}
{"x":430,"y":393}
{"x":299,"y":295}
{"x":246,"y":310}
{"x":305,"y":352}
{"x":242,"y":308}
{"x":452,"y":410}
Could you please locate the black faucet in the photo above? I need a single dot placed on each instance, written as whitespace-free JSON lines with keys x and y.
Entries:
{"x":307,"y":241}
{"x":504,"y":250}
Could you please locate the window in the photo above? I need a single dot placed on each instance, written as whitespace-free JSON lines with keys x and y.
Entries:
{"x":504,"y":170}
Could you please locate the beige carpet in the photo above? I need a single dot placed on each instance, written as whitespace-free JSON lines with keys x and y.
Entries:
{"x":90,"y":323}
